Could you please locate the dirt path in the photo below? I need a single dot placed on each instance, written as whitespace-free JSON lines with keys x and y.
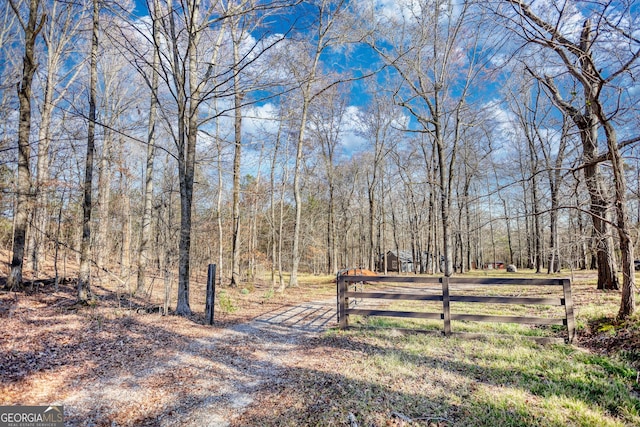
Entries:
{"x":207,"y":379}
{"x":264,"y":344}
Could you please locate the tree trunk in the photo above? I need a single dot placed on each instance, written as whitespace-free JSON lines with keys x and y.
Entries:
{"x":555,"y":180}
{"x":445,"y":210}
{"x":40,"y":214}
{"x":580,"y":63}
{"x":145,"y":226}
{"x":607,"y":268}
{"x":125,"y":250}
{"x":84,"y":277}
{"x":371,"y":219}
{"x":100,"y":243}
{"x":331,"y":230}
{"x":219,"y":207}
{"x":295,"y":255}
{"x":21,"y":216}
{"x":537,"y":231}
{"x":628,"y":301}
{"x":183,"y":307}
{"x":187,"y":138}
{"x":235,"y":262}
{"x":272,"y":207}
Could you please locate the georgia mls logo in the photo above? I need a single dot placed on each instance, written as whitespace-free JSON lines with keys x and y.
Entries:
{"x":56,"y":411}
{"x":31,"y":416}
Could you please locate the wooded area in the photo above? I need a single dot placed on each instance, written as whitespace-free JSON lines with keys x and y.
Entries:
{"x":151,"y":139}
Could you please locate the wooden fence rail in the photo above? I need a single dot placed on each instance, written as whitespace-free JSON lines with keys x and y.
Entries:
{"x":446,"y":297}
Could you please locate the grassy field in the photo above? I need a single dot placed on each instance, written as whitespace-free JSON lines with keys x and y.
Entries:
{"x":376,"y":375}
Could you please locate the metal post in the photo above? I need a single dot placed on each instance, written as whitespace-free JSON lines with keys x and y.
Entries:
{"x":211,"y":293}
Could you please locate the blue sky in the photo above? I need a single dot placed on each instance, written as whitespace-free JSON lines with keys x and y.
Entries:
{"x":361,"y":58}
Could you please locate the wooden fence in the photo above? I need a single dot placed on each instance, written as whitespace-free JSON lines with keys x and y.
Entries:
{"x":447,"y":297}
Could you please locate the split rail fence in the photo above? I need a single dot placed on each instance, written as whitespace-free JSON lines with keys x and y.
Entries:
{"x":346,"y":292}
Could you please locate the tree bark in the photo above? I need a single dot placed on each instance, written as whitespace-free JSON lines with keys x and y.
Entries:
{"x":31,"y":29}
{"x":555,"y":180}
{"x":537,"y":231}
{"x":102,"y":223}
{"x":84,"y":277}
{"x":145,"y":226}
{"x":628,"y":300}
{"x":186,"y":144}
{"x":237,"y":155}
{"x":580,"y":63}
{"x":40,"y":214}
{"x":295,"y":251}
{"x":598,"y":194}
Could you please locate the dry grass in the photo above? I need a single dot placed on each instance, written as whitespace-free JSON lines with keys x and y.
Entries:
{"x":118,"y":362}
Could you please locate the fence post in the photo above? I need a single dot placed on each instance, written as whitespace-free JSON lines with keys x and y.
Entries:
{"x":446,"y":305}
{"x":338,"y":297}
{"x":568,"y":306}
{"x":211,"y":292}
{"x":342,"y":303}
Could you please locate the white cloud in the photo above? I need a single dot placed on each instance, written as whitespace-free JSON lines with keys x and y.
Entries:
{"x":351,"y":139}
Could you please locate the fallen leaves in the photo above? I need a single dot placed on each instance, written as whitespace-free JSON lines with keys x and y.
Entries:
{"x":112,"y":366}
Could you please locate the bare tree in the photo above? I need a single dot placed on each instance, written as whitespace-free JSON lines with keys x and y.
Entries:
{"x":145,"y":226}
{"x":326,"y":128}
{"x":525,"y":106}
{"x":380,"y":122}
{"x":276,"y":221}
{"x":117,"y":96}
{"x":59,"y":34}
{"x":555,"y":177}
{"x":600,"y":75}
{"x":435,"y":79}
{"x":182,"y":27}
{"x":31,"y":26}
{"x":237,"y":36}
{"x":84,"y":277}
{"x":191,"y":72}
{"x":305,"y":70}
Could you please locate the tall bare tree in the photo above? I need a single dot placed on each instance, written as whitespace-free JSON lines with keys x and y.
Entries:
{"x":193,"y":75}
{"x":305,"y":70}
{"x":422,"y":44}
{"x":145,"y":226}
{"x":379,"y":125}
{"x":59,"y":34}
{"x":276,"y":221}
{"x":237,"y":37}
{"x":554,"y":159}
{"x":31,"y":26}
{"x":599,"y":74}
{"x":525,"y":105}
{"x":326,"y":121}
{"x":84,"y":277}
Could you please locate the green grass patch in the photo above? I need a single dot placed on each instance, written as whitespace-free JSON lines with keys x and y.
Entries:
{"x":226,"y":302}
{"x":381,"y":373}
{"x":456,"y":382}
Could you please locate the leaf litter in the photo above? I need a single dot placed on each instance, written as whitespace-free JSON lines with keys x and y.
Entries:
{"x":114,"y":367}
